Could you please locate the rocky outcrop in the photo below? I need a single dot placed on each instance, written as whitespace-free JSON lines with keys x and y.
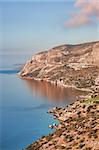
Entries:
{"x":68,"y":65}
{"x":78,"y":128}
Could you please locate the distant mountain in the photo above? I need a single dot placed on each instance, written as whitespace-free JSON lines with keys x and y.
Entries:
{"x":68,"y":65}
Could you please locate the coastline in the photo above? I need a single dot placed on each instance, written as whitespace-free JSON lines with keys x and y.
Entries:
{"x":77,"y":128}
{"x":69,"y":119}
{"x":69,"y":66}
{"x":58,"y":83}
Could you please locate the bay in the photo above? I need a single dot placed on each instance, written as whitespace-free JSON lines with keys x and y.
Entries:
{"x":24,"y":106}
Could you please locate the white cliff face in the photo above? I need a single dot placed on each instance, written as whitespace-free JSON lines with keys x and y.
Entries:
{"x":95,"y":54}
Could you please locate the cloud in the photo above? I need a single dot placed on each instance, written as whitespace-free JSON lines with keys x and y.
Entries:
{"x":87,"y":13}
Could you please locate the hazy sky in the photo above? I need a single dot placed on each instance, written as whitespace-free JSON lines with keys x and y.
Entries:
{"x":39,"y":25}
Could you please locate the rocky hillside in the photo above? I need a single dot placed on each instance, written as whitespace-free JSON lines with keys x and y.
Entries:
{"x":78,"y":128}
{"x":68,"y":65}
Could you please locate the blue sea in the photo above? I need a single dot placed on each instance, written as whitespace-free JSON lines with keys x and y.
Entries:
{"x":24,"y":105}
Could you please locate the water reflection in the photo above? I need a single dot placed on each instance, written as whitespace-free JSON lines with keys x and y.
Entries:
{"x":52,"y":92}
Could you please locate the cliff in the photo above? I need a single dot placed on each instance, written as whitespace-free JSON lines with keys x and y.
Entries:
{"x":68,"y":65}
{"x":76,"y":66}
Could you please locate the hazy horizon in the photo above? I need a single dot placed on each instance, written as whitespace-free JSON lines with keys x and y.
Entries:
{"x":29,"y":27}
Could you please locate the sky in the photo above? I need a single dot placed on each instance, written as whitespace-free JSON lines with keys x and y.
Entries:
{"x":38,"y":25}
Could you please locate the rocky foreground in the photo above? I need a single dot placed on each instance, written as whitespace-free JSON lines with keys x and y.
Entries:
{"x":78,"y":128}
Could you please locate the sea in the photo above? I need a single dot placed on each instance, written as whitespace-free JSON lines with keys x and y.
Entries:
{"x":24,"y":104}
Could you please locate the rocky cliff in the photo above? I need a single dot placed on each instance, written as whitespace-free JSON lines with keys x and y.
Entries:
{"x":68,"y":65}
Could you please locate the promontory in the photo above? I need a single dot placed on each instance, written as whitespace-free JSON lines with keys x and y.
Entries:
{"x":75,"y":66}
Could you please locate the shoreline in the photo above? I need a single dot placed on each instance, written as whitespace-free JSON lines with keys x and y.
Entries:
{"x":77,"y":67}
{"x":57,"y":84}
{"x":68,"y":118}
{"x":79,"y":120}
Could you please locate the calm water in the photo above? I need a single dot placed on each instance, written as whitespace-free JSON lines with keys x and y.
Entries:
{"x":24,"y":105}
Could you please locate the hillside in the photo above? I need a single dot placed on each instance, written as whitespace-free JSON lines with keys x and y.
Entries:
{"x":78,"y":128}
{"x":70,"y":66}
{"x":67,"y":65}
